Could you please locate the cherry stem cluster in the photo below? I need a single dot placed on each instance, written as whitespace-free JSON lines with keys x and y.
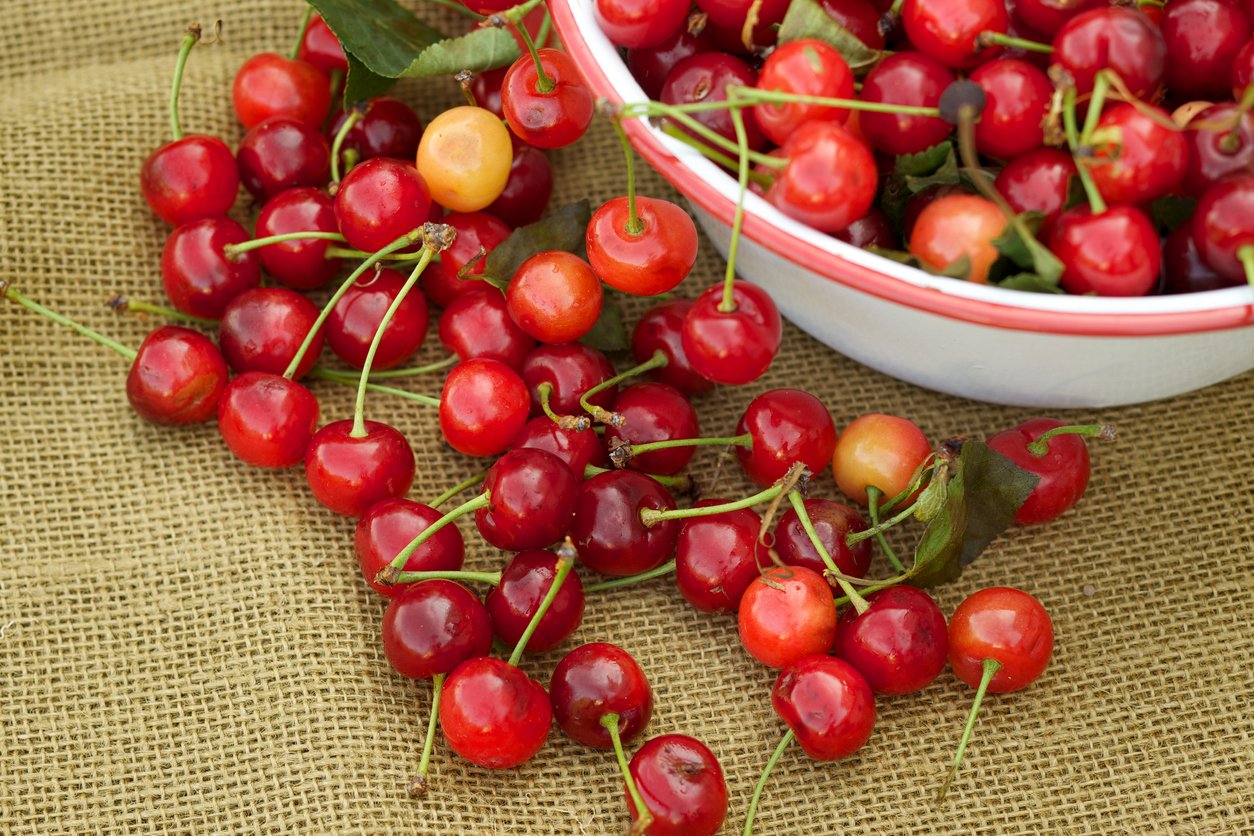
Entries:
{"x":1096,"y":201}
{"x":604,"y":416}
{"x":712,"y":153}
{"x":577,"y":423}
{"x":873,"y":495}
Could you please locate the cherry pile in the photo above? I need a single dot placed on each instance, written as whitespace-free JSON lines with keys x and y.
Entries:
{"x":585,"y":465}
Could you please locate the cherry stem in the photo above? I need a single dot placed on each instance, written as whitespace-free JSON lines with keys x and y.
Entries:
{"x":651,"y":516}
{"x":1040,"y":446}
{"x":348,"y":252}
{"x":388,"y":573}
{"x":491,"y":578}
{"x":300,"y":37}
{"x":233,"y":250}
{"x":390,"y":374}
{"x":634,"y":225}
{"x":833,"y":571}
{"x":419,"y":785}
{"x":564,"y":564}
{"x":1245,"y":255}
{"x":1096,"y":202}
{"x":457,"y":7}
{"x":665,"y":569}
{"x":185,"y":49}
{"x":728,"y":303}
{"x":989,"y":38}
{"x":739,"y":96}
{"x":991,"y":667}
{"x":319,"y":373}
{"x":873,"y":495}
{"x":712,"y":154}
{"x":657,"y":361}
{"x":877,"y":528}
{"x":577,"y":423}
{"x":981,"y":179}
{"x":924,"y":470}
{"x":125,"y":350}
{"x":544,"y":84}
{"x":682,"y":482}
{"x":123,"y":305}
{"x":404,"y":241}
{"x":354,"y":117}
{"x":757,"y":791}
{"x":634,"y":450}
{"x":477,"y":479}
{"x":643,"y":817}
{"x":1097,"y":99}
{"x":679,"y":113}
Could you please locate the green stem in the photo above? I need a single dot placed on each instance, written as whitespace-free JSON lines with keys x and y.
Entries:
{"x":392,"y":374}
{"x":1097,"y":99}
{"x":657,"y":361}
{"x":354,"y":117}
{"x":643,"y":817}
{"x":682,"y":482}
{"x":185,"y":49}
{"x":1040,"y":446}
{"x":856,"y":537}
{"x":989,"y":38}
{"x":833,"y":571}
{"x":711,"y":154}
{"x":233,"y":250}
{"x":991,"y":667}
{"x":634,"y":226}
{"x":1246,"y":256}
{"x":577,"y":423}
{"x":125,"y":350}
{"x":544,"y":84}
{"x":457,"y":7}
{"x":477,"y":479}
{"x":397,"y":563}
{"x":300,"y":37}
{"x":665,"y":569}
{"x":419,"y":784}
{"x":873,"y":495}
{"x":651,"y":516}
{"x":491,"y":578}
{"x":123,"y":305}
{"x":728,"y":303}
{"x":745,"y":440}
{"x":1096,"y":203}
{"x":319,"y":373}
{"x":679,"y":113}
{"x":757,"y":791}
{"x":348,"y":252}
{"x":878,"y":585}
{"x":564,"y":565}
{"x":756,"y":96}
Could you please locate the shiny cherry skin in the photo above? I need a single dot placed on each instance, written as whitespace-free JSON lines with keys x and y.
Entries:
{"x":1115,"y":253}
{"x":432,"y":627}
{"x":900,"y":644}
{"x":1063,"y":470}
{"x":571,"y":369}
{"x":833,"y":522}
{"x":348,"y":475}
{"x":607,"y":530}
{"x":1222,"y":227}
{"x":905,"y":78}
{"x":531,"y":498}
{"x":956,"y":227}
{"x":282,"y":153}
{"x":546,"y":119}
{"x":199,"y":277}
{"x":644,"y":262}
{"x":736,"y":347}
{"x":651,"y":66}
{"x":705,"y":77}
{"x":717,"y":557}
{"x":267,"y":420}
{"x":920,"y":201}
{"x":270,"y":85}
{"x":654,"y":412}
{"x":388,"y":526}
{"x":1184,"y":270}
{"x":594,"y":680}
{"x":1017,"y":97}
{"x":1243,"y":68}
{"x":732,"y":14}
{"x":387,"y":128}
{"x":660,"y":329}
{"x":878,"y":450}
{"x":785,"y":614}
{"x":947,"y":29}
{"x":352,"y":323}
{"x":528,"y":189}
{"x":641,"y":23}
{"x":1214,"y":149}
{"x":830,"y":179}
{"x":486,"y":88}
{"x":1048,"y":16}
{"x":787,"y":426}
{"x":320,"y":47}
{"x":477,"y":324}
{"x":828,"y":705}
{"x":1005,"y":624}
{"x":525,"y":581}
{"x":302,"y":265}
{"x":1145,"y":159}
{"x":555,"y":297}
{"x":1038,"y":181}
{"x":483,"y":406}
{"x":859,"y":17}
{"x":1203,"y":38}
{"x":189,"y":179}
{"x":873,"y":229}
{"x":475,"y":232}
{"x":177,"y":377}
{"x":806,"y":67}
{"x":263,"y":328}
{"x":578,"y":448}
{"x":379,"y":201}
{"x":493,"y":714}
{"x":1115,"y":38}
{"x":682,"y":786}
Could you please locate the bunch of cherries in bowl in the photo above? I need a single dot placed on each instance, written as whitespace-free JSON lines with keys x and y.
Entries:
{"x":582,"y":464}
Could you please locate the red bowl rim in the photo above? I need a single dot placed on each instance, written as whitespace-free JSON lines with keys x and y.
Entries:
{"x":864,"y":279}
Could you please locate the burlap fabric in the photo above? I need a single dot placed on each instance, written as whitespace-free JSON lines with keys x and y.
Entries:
{"x":186,"y":644}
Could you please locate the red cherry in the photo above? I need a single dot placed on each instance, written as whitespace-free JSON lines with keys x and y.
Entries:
{"x":646,"y":262}
{"x":475,"y":232}
{"x":860,"y":18}
{"x":805,"y":67}
{"x":189,"y":179}
{"x":320,"y":47}
{"x":1203,"y":38}
{"x":873,"y":229}
{"x":555,"y":297}
{"x":571,"y":369}
{"x":546,"y":119}
{"x":641,"y":23}
{"x":705,"y":77}
{"x":1143,"y":160}
{"x":881,"y":451}
{"x":477,"y":324}
{"x":828,"y":705}
{"x":1222,"y":229}
{"x":1038,"y":181}
{"x":1220,"y":141}
{"x":387,"y":527}
{"x":525,"y":582}
{"x":1243,"y":68}
{"x":735,"y":347}
{"x":267,"y":420}
{"x":594,"y":680}
{"x":654,"y":412}
{"x":177,"y":377}
{"x":717,"y":557}
{"x":1017,"y":97}
{"x":349,"y":474}
{"x":527,"y":191}
{"x":786,"y":426}
{"x":905,"y":78}
{"x":387,"y":128}
{"x":379,"y":201}
{"x":650,"y":66}
{"x":1184,"y":270}
{"x":303,"y":264}
{"x":1115,"y":253}
{"x":493,"y":715}
{"x":1048,"y":16}
{"x":578,"y":448}
{"x":483,"y":406}
{"x":263,"y":328}
{"x":1004,"y":624}
{"x":899,"y":644}
{"x":1063,"y":470}
{"x":433,"y":627}
{"x":1114,"y":38}
{"x":785,"y":614}
{"x":833,"y":522}
{"x":830,"y":179}
{"x":271,"y":85}
{"x":732,"y":14}
{"x":607,"y":529}
{"x":682,"y":786}
{"x":531,"y":497}
{"x":282,"y":153}
{"x":947,"y":30}
{"x":916,"y":205}
{"x":351,"y":326}
{"x":660,"y":330}
{"x":199,"y":277}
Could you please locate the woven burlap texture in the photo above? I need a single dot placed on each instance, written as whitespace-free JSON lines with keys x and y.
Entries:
{"x":186,"y":644}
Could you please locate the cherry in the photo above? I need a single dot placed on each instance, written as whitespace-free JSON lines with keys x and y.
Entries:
{"x":477,"y":324}
{"x":387,"y":527}
{"x":514,"y":601}
{"x":486,"y":89}
{"x":281,"y":153}
{"x":880,"y":451}
{"x":595,"y":680}
{"x":1184,"y":271}
{"x":860,"y":18}
{"x":873,"y":229}
{"x":387,"y":128}
{"x":785,"y":614}
{"x":464,"y":157}
{"x":957,"y":227}
{"x":920,"y":201}
{"x":493,"y":715}
{"x":646,"y":260}
{"x":555,"y":297}
{"x":786,"y":426}
{"x":300,"y":264}
{"x":833,"y":522}
{"x":177,"y":377}
{"x":650,"y":66}
{"x":830,"y":178}
{"x":355,"y":318}
{"x":732,"y":14}
{"x":1114,"y":38}
{"x":320,"y":47}
{"x":654,"y":412}
{"x":804,"y":67}
{"x":641,"y":23}
{"x":1222,"y":231}
{"x":348,"y":473}
{"x":478,"y":234}
{"x":483,"y":406}
{"x":705,"y":77}
{"x":899,"y":645}
{"x":531,"y":497}
{"x":1215,"y":149}
{"x":717,"y":557}
{"x":1038,"y":181}
{"x":550,"y":111}
{"x":607,"y":529}
{"x":1062,"y":466}
{"x":263,"y":328}
{"x":1143,"y":160}
{"x":1115,"y":253}
{"x":1203,"y":38}
{"x":1017,"y":96}
{"x":949,"y":30}
{"x":267,"y":420}
{"x":578,"y":448}
{"x":199,"y":277}
{"x":434,"y":626}
{"x":1048,"y":16}
{"x":734,"y":347}
{"x":659,"y":329}
{"x":904,"y":78}
{"x":527,"y":191}
{"x":379,"y":201}
{"x":571,"y":370}
{"x":189,"y":179}
{"x":827,"y":704}
{"x":1243,"y":68}
{"x":270,"y":85}
{"x":681,"y":785}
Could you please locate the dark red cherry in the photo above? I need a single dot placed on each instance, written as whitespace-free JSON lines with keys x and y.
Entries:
{"x":320,"y":47}
{"x":652,"y":65}
{"x":1115,"y":38}
{"x":477,"y":324}
{"x":947,"y":30}
{"x":1243,"y":67}
{"x":302,"y":265}
{"x":860,"y":18}
{"x":432,"y":627}
{"x":379,"y":201}
{"x":717,"y":557}
{"x":263,"y":328}
{"x":735,"y":347}
{"x":387,"y":528}
{"x":483,"y":406}
{"x":594,"y":680}
{"x":786,"y":426}
{"x":608,"y":531}
{"x":732,"y":14}
{"x":476,"y":233}
{"x":1063,"y":469}
{"x":646,"y":262}
{"x":1222,"y":225}
{"x":659,"y":329}
{"x":282,"y":153}
{"x":177,"y":377}
{"x":267,"y":420}
{"x":1048,"y":16}
{"x":353,"y":321}
{"x":1203,"y":38}
{"x":1017,"y":96}
{"x":654,"y":412}
{"x":199,"y":277}
{"x":900,"y":644}
{"x":787,"y":613}
{"x":1115,"y":253}
{"x":682,"y":786}
{"x":705,"y":77}
{"x":833,"y":522}
{"x":546,"y":119}
{"x":525,"y":581}
{"x":572,"y":369}
{"x":905,"y":78}
{"x":531,"y":497}
{"x":348,"y":474}
{"x":578,"y":448}
{"x":527,"y":191}
{"x":828,"y":705}
{"x":387,"y":128}
{"x":1138,"y":155}
{"x":189,"y":179}
{"x":271,"y":85}
{"x":1038,"y":181}
{"x":493,"y":715}
{"x":486,"y":88}
{"x":1184,"y":270}
{"x":641,"y":23}
{"x":873,"y":229}
{"x":1220,"y":142}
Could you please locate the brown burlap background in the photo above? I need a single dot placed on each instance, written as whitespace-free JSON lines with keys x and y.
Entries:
{"x":186,"y":644}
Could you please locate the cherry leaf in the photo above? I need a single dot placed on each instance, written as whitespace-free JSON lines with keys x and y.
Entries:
{"x":1030,"y":282}
{"x":362,"y":83}
{"x":807,"y":19}
{"x":477,"y":51}
{"x":382,"y":35}
{"x":565,"y":229}
{"x":1018,"y":243}
{"x":610,"y":331}
{"x":1171,"y":211}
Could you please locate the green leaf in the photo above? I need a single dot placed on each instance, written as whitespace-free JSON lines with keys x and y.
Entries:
{"x":1171,"y":211}
{"x":362,"y":83}
{"x":564,"y":229}
{"x":807,"y":19}
{"x":1018,"y":243}
{"x":482,"y":49}
{"x":946,"y":174}
{"x":383,"y":35}
{"x":1030,"y":282}
{"x":610,"y":331}
{"x":924,"y":162}
{"x":1076,"y":195}
{"x":959,"y":269}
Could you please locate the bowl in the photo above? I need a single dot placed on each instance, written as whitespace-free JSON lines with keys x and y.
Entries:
{"x":975,"y":341}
